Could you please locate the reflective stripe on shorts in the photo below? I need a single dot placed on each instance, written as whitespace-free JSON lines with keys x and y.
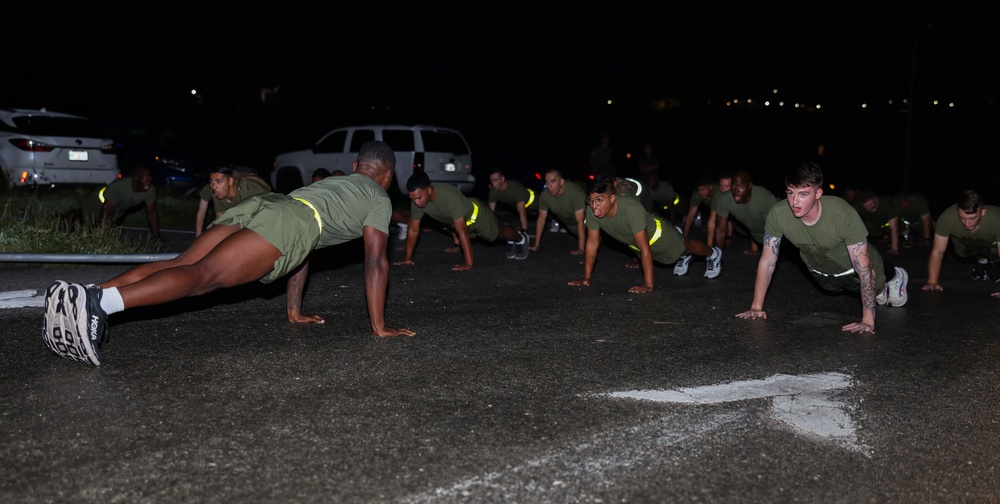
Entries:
{"x":319,"y":222}
{"x":842,"y":273}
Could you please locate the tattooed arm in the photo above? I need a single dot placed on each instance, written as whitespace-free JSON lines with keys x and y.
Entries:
{"x":863,"y":266}
{"x":765,"y":269}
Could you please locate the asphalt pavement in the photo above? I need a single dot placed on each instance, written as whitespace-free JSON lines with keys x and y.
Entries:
{"x":516,"y":388}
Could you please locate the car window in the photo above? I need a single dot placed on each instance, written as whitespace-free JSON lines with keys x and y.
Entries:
{"x":58,"y":126}
{"x":332,"y":143}
{"x":444,"y":141}
{"x":399,"y":140}
{"x":360,"y":137}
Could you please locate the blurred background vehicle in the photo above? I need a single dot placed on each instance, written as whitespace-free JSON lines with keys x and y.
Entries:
{"x":442,"y":153}
{"x":38,"y":147}
{"x":175,"y":158}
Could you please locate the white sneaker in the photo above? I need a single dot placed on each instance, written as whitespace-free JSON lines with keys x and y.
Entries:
{"x":401,"y":234}
{"x":897,"y":288}
{"x":713,"y":264}
{"x":681,"y":267}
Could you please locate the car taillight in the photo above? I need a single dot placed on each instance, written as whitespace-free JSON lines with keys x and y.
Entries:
{"x":29,"y":145}
{"x":418,"y":162}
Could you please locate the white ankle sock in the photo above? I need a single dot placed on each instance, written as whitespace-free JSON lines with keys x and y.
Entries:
{"x":111,"y":300}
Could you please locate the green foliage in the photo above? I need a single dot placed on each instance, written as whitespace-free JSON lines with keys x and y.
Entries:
{"x":36,"y":221}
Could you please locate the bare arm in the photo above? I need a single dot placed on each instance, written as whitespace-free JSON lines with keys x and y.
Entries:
{"x":154,"y":222}
{"x":522,"y":215}
{"x":894,"y":235}
{"x":293,"y":297}
{"x":689,"y":220}
{"x":581,"y":233}
{"x":646,"y":255}
{"x":412,"y":233}
{"x":934,"y":260}
{"x":376,"y":281}
{"x":712,"y":226}
{"x":465,"y":242}
{"x":199,"y":220}
{"x":589,"y":257}
{"x":765,"y":270}
{"x":861,"y":261}
{"x":925,"y":219}
{"x":539,"y":227}
{"x":721,"y":223}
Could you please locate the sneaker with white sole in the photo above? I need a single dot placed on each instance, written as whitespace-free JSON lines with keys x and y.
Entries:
{"x":896,"y":288}
{"x":681,"y":266}
{"x":521,"y":249}
{"x":883,"y":296}
{"x":713,"y":264}
{"x":68,"y":325}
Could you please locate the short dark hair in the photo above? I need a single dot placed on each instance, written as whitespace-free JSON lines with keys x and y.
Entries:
{"x":601,"y":184}
{"x":226,"y":170}
{"x":379,"y":152}
{"x":419,"y":180}
{"x":321,"y":173}
{"x":803,"y":175}
{"x":970,"y":201}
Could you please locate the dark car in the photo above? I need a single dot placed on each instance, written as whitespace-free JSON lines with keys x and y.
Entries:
{"x":175,"y":159}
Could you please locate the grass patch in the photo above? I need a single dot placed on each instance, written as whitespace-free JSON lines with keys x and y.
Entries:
{"x":31,"y":222}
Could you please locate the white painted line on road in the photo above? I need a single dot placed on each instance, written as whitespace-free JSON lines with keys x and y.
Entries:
{"x":569,"y":474}
{"x":21,"y":298}
{"x":803,"y":402}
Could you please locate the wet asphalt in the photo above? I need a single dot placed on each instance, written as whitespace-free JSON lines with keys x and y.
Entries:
{"x":516,"y":388}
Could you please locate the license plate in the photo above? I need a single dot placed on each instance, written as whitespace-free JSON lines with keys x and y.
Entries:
{"x":79,"y":155}
{"x":449,"y":167}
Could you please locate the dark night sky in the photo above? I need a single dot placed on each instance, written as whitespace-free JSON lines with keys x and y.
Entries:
{"x":472,"y":64}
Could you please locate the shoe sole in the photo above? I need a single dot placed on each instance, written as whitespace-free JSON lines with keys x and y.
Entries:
{"x":65,"y":331}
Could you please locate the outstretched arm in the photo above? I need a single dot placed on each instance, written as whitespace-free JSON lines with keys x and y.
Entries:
{"x":934,"y":260}
{"x":589,"y":257}
{"x":376,"y":282}
{"x":293,"y":297}
{"x":646,"y":254}
{"x":465,"y":242}
{"x":765,"y":270}
{"x":862,"y":263}
{"x":581,"y":233}
{"x":412,"y":233}
{"x":539,"y":227}
{"x":199,"y":220}
{"x":154,"y":222}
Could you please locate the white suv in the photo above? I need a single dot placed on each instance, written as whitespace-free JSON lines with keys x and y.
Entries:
{"x":42,"y":147}
{"x":442,"y":153}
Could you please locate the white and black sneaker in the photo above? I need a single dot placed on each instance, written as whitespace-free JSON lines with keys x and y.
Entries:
{"x":74,"y":325}
{"x":681,"y":266}
{"x":521,"y":248}
{"x":713,"y":264}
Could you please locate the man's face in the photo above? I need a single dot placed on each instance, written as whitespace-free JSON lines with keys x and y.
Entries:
{"x":554,"y":184}
{"x":601,"y":203}
{"x":421,"y":197}
{"x":741,"y":188}
{"x":971,"y":221}
{"x":725,"y":184}
{"x":871,"y":205}
{"x":705,"y":191}
{"x":220,"y":184}
{"x":803,"y":200}
{"x":141,"y":181}
{"x":497,"y":181}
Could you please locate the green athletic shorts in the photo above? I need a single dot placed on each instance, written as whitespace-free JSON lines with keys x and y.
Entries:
{"x":284,"y":222}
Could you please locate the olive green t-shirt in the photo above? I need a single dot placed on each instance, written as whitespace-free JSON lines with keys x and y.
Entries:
{"x":984,"y":237}
{"x":918,"y":207}
{"x":514,"y":193}
{"x":823,"y":246}
{"x":630,"y":217}
{"x":877,"y":222}
{"x":346,"y":205}
{"x":751,"y":214}
{"x":572,"y":200}
{"x":120,"y":193}
{"x":244,"y":189}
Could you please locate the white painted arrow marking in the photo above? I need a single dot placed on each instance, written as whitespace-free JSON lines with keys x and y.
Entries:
{"x":803,"y":402}
{"x":17,"y":299}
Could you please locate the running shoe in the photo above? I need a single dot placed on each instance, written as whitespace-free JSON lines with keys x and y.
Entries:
{"x":896,"y":288}
{"x":681,"y":266}
{"x":67,"y":328}
{"x":713,"y":265}
{"x":521,"y":249}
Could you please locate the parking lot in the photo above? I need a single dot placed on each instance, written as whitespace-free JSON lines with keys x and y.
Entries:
{"x":516,"y":388}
